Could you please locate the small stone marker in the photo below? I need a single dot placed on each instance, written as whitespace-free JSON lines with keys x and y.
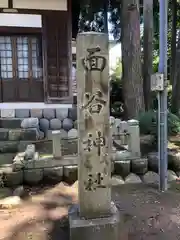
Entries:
{"x":95,"y":217}
{"x":56,"y":141}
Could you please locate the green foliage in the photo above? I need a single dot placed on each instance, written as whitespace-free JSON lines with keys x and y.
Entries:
{"x":148,"y":122}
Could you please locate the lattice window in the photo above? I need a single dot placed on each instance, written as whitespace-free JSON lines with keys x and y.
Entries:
{"x":20,"y":57}
{"x":6,"y":65}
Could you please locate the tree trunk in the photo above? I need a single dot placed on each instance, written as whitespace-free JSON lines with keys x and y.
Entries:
{"x":176,"y":83}
{"x":131,"y":59}
{"x":173,"y":40}
{"x":148,"y":51}
{"x":105,"y":11}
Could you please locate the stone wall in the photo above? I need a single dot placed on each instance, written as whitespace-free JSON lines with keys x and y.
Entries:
{"x":45,"y":120}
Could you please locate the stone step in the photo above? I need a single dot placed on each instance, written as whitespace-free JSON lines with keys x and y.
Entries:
{"x":6,"y":158}
{"x":19,"y":134}
{"x":11,"y":123}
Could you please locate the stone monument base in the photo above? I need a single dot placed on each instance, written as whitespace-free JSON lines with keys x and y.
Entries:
{"x":107,"y":228}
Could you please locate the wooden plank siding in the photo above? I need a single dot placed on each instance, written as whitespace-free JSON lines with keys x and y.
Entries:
{"x":57,"y":60}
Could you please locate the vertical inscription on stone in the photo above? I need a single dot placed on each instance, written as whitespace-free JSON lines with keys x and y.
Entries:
{"x":93,"y":118}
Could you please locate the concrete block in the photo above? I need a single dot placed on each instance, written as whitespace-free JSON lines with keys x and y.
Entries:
{"x":23,"y":134}
{"x":53,"y":174}
{"x":8,"y":146}
{"x":36,"y":113}
{"x":61,"y":113}
{"x":132,"y":178}
{"x":22,"y":113}
{"x":71,"y":173}
{"x":96,"y":229}
{"x":7,"y":113}
{"x":55,"y":124}
{"x":14,"y":178}
{"x":33,"y":176}
{"x":4,"y":133}
{"x":44,"y":124}
{"x":10,"y":123}
{"x":49,"y":113}
{"x":30,"y":123}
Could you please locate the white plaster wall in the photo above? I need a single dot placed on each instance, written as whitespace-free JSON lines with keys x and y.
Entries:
{"x":3,"y":3}
{"x":41,"y":4}
{"x":20,"y":20}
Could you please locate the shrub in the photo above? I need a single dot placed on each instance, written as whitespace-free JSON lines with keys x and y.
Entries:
{"x":148,"y":123}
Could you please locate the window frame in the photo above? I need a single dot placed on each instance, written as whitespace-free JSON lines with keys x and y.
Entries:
{"x":25,"y":32}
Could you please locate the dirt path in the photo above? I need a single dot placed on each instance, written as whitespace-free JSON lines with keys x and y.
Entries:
{"x":146,"y":214}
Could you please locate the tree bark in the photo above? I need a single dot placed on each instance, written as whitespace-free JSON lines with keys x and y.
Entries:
{"x":131,"y":59}
{"x":148,"y":51}
{"x":176,"y":83}
{"x":173,"y":40}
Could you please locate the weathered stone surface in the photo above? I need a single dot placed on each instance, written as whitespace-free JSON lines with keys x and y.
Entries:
{"x":67,"y":124}
{"x":33,"y":176}
{"x":93,"y":128}
{"x":174,"y":160}
{"x":70,"y":173}
{"x":134,"y":138}
{"x":151,"y":178}
{"x":64,"y":134}
{"x":147,"y":144}
{"x":139,"y":166}
{"x":14,"y":178}
{"x":7,"y":113}
{"x":10,"y":123}
{"x":55,"y":124}
{"x":95,"y":229}
{"x":44,"y":124}
{"x":30,"y":151}
{"x":122,"y":155}
{"x":61,"y":113}
{"x":41,"y":135}
{"x":4,"y":134}
{"x":72,"y":114}
{"x":56,"y":141}
{"x":48,"y":134}
{"x":133,"y":178}
{"x":36,"y":113}
{"x":171,"y":176}
{"x":75,"y":124}
{"x":22,"y":145}
{"x":23,"y":134}
{"x":30,"y":123}
{"x":69,"y":146}
{"x":117,"y":180}
{"x":41,"y":162}
{"x":153,"y":161}
{"x":73,"y":133}
{"x":18,"y":162}
{"x":8,"y":147}
{"x":49,"y":113}
{"x":53,"y":174}
{"x":6,"y":158}
{"x":122,"y":168}
{"x":22,"y":113}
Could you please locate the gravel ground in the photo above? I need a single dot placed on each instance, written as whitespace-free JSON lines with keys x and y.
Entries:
{"x":145,"y":212}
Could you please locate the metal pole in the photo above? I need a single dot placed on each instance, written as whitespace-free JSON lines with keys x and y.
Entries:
{"x":162,"y":121}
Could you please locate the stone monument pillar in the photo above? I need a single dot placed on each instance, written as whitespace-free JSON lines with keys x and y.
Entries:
{"x":95,"y":210}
